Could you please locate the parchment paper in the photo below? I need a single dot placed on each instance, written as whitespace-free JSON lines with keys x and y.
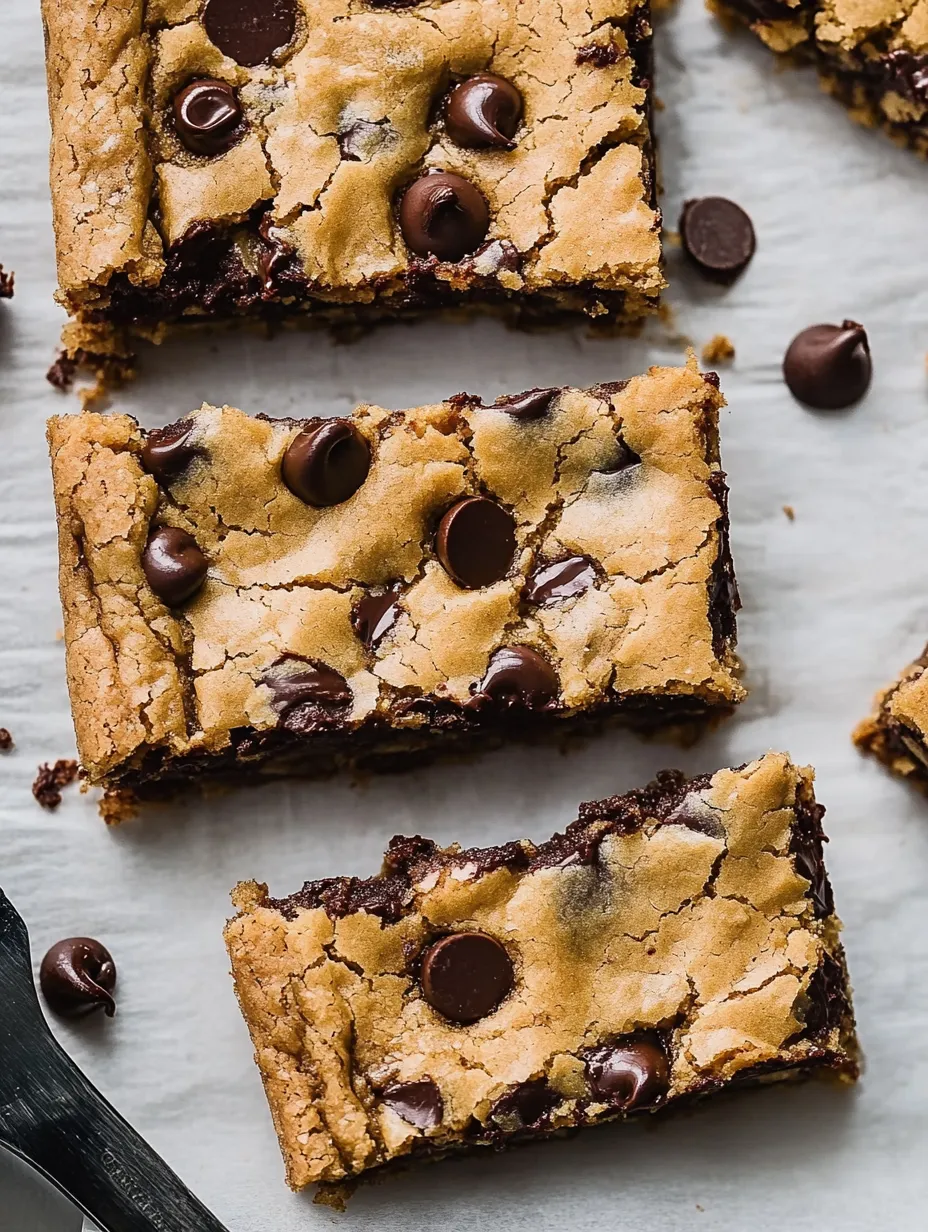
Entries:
{"x":834,"y":603}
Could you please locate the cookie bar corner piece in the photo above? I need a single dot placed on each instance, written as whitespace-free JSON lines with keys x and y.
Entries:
{"x":672,"y":943}
{"x":896,"y":731}
{"x":208,"y":166}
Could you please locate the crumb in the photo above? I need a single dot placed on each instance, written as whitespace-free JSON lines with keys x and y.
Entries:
{"x":657,"y":103}
{"x":335,"y":1194}
{"x":50,"y":778}
{"x":790,"y":512}
{"x":671,"y":237}
{"x":698,"y":1207}
{"x":719,"y":350}
{"x":6,"y":284}
{"x":6,"y":740}
{"x":59,"y":635}
{"x":117,"y":805}
{"x":108,"y":372}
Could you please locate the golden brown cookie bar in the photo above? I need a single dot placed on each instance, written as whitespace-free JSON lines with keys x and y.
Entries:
{"x":671,"y":943}
{"x":345,"y":160}
{"x":247,"y":596}
{"x":871,"y":54}
{"x":897,"y":730}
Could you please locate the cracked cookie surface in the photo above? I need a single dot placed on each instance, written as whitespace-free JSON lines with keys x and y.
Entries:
{"x":193,"y":181}
{"x":671,"y":943}
{"x":871,"y":54}
{"x":240,"y":590}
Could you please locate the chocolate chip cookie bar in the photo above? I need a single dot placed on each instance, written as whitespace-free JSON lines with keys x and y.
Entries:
{"x":872,"y":57}
{"x":897,"y":730}
{"x":671,"y":943}
{"x":248,"y":596}
{"x":348,"y":160}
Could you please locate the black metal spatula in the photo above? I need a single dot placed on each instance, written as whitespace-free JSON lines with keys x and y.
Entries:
{"x":54,"y":1119}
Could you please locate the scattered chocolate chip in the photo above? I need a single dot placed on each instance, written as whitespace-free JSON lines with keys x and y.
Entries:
{"x":443,"y":215}
{"x":50,"y":780}
{"x":418,"y":1103}
{"x":326,"y":463}
{"x":208,"y":116}
{"x":77,"y":977}
{"x":630,"y":1073}
{"x":476,"y":542}
{"x":375,"y":615}
{"x":308,"y":696}
{"x":525,"y":1107}
{"x":904,"y":72}
{"x":168,"y":451}
{"x":484,"y":111}
{"x":828,"y":367}
{"x":718,"y":236}
{"x":562,"y":580}
{"x":600,"y":55}
{"x":6,"y":740}
{"x":465,"y":976}
{"x":174,"y":565}
{"x":250,"y":31}
{"x":530,"y":405}
{"x":6,"y":284}
{"x":517,"y":677}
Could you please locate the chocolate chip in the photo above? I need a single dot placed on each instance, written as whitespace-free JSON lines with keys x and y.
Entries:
{"x":250,"y":31}
{"x":695,"y":814}
{"x":903,"y":72}
{"x":168,"y":451}
{"x":827,"y":997}
{"x":419,"y":1103}
{"x":525,"y":1107}
{"x":476,"y":542}
{"x":6,"y":740}
{"x":517,"y":678}
{"x":806,"y":849}
{"x":484,"y":111}
{"x":308,"y":696}
{"x":828,"y":366}
{"x":530,"y":405}
{"x":208,"y":116}
{"x":375,"y":615}
{"x":718,"y":236}
{"x":600,"y":55}
{"x":50,"y":779}
{"x":443,"y":215}
{"x":630,"y":1073}
{"x":465,"y":976}
{"x":174,"y":565}
{"x":562,"y":580}
{"x":77,"y":977}
{"x":326,"y":463}
{"x":7,"y":282}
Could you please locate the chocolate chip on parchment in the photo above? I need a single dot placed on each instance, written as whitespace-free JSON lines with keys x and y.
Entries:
{"x":77,"y":977}
{"x":718,"y":236}
{"x":828,"y":367}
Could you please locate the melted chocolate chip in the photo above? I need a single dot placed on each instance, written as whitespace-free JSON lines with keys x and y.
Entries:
{"x":806,"y":849}
{"x":307,"y":696}
{"x":168,"y":451}
{"x":827,"y":997}
{"x":484,"y":111}
{"x":250,"y":31}
{"x":630,"y":1073}
{"x":326,"y":463}
{"x":375,"y":615}
{"x":77,"y":977}
{"x":906,"y":73}
{"x":443,"y":215}
{"x":465,"y":976}
{"x":718,"y":236}
{"x":517,"y":678}
{"x":828,"y":367}
{"x":418,"y":1103}
{"x":599,"y":55}
{"x":525,"y":1107}
{"x":530,"y":405}
{"x":208,"y":116}
{"x":174,"y":565}
{"x":563,"y":580}
{"x":476,"y":542}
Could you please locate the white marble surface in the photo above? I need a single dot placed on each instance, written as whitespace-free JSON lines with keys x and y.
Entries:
{"x":834,"y":603}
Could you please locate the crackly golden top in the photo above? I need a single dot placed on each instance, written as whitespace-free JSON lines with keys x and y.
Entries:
{"x":284,"y":576}
{"x":709,"y":932}
{"x":573,"y":197}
